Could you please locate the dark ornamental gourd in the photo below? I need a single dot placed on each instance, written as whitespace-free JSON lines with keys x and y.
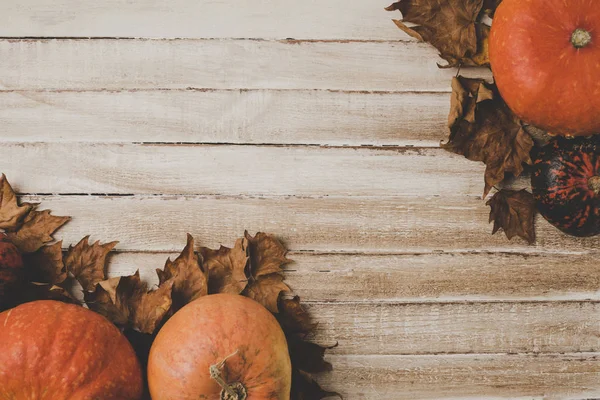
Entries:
{"x":566,"y":184}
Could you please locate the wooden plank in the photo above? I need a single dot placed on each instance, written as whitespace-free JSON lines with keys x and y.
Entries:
{"x":361,"y":224}
{"x":235,"y":170}
{"x":231,"y":116}
{"x":419,"y":277}
{"x":466,"y":377}
{"x":221,"y":64}
{"x":330,"y":19}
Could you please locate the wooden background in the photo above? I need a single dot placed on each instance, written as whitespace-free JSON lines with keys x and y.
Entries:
{"x":318,"y":121}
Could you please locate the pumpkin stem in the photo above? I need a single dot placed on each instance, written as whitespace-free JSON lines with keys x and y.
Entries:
{"x":594,"y":184}
{"x":581,"y":38}
{"x":234,"y":391}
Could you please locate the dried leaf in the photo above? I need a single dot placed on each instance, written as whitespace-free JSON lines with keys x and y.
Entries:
{"x":227,"y":267}
{"x":308,"y":356}
{"x":266,"y":290}
{"x":293,"y":318}
{"x":37,"y":230}
{"x":87,"y":263}
{"x":304,"y":387}
{"x":514,"y":212}
{"x":126,"y":302}
{"x":267,"y":254}
{"x":11,"y":214}
{"x":482,"y":128}
{"x":46,"y":265}
{"x":452,"y":26}
{"x":188,"y":276}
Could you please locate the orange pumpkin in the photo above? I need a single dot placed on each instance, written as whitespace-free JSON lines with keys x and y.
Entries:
{"x":220,"y":346}
{"x":52,"y":350}
{"x":545,"y":56}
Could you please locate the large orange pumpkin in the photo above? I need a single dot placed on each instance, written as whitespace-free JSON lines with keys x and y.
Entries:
{"x":218,"y":344}
{"x":545,"y":56}
{"x":55,"y":351}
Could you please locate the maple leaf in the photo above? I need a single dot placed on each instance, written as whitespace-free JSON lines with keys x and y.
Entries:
{"x":127,"y":302}
{"x":267,"y":254}
{"x":227,"y":267}
{"x":304,"y":387}
{"x":11,"y":214}
{"x":513,"y":212}
{"x":482,"y":128}
{"x":37,"y":230}
{"x":266,"y":290}
{"x":46,"y":265}
{"x":189,"y":277}
{"x":451,"y":26}
{"x":87,"y":263}
{"x":293,"y":318}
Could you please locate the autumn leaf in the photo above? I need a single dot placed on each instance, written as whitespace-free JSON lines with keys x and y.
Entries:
{"x":513,"y":212}
{"x":127,"y":302}
{"x":37,"y":230}
{"x":46,"y":265}
{"x":482,"y":128}
{"x":188,"y":276}
{"x":451,"y":26}
{"x":293,"y":318}
{"x":266,"y":290}
{"x":267,"y":254}
{"x":11,"y":214}
{"x":308,"y":356}
{"x":87,"y":263}
{"x":304,"y":387}
{"x":227,"y":267}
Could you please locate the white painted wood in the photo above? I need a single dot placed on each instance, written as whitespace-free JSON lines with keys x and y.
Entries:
{"x":419,"y":277}
{"x":466,"y":377}
{"x":235,"y":170}
{"x":257,"y":116}
{"x":361,"y":224}
{"x":221,"y":64}
{"x":311,"y":19}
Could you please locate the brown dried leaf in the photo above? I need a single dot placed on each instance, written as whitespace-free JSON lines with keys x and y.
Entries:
{"x":87,"y":263}
{"x":37,"y":230}
{"x":304,"y":387}
{"x":126,"y":302}
{"x":267,"y":254}
{"x":514,"y":212}
{"x":227,"y":267}
{"x":293,"y":318}
{"x":188,"y":276}
{"x":11,"y":214}
{"x":46,"y":265}
{"x":482,"y":128}
{"x":266,"y":290}
{"x":308,"y":356}
{"x":451,"y":26}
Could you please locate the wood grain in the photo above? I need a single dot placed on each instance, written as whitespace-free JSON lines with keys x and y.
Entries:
{"x":330,"y":19}
{"x":230,"y":116}
{"x":419,"y":277}
{"x":221,"y":64}
{"x":517,"y":377}
{"x":362,"y":224}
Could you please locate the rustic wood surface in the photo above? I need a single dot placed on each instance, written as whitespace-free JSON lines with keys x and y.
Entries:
{"x":318,"y":121}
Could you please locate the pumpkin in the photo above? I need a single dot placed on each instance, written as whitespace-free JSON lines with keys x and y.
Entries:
{"x":566,"y":184}
{"x":11,"y":265}
{"x":58,"y":351}
{"x":221,"y":346}
{"x":545,"y":57}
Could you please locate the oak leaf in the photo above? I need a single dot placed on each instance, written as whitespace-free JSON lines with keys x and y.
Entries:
{"x":227,"y":267}
{"x":87,"y":263}
{"x":189,"y":277}
{"x":127,"y":302}
{"x":304,"y":387}
{"x":46,"y":265}
{"x":11,"y":213}
{"x":267,"y":290}
{"x":293,"y":318}
{"x":37,"y":229}
{"x":451,"y":26}
{"x":482,"y":128}
{"x":513,"y":212}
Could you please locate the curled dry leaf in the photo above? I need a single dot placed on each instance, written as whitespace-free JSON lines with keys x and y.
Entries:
{"x":227,"y":267}
{"x":514,"y":212}
{"x":307,"y":356}
{"x":46,"y":265}
{"x":11,"y":213}
{"x":187,"y":274}
{"x":267,"y":254}
{"x":451,"y":26}
{"x":87,"y":263}
{"x":304,"y":387}
{"x":293,"y":318}
{"x":37,"y":230}
{"x":267,"y":290}
{"x":482,"y":128}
